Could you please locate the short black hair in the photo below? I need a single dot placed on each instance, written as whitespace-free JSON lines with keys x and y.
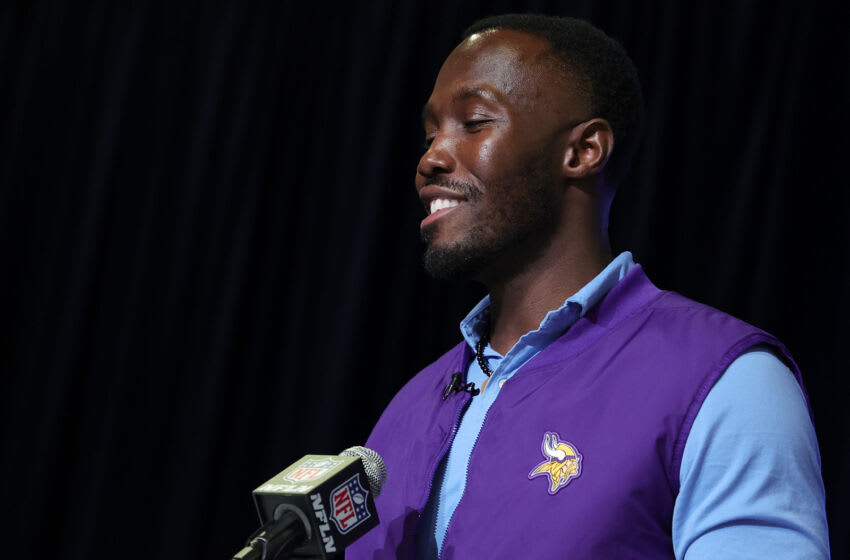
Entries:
{"x":611,"y":87}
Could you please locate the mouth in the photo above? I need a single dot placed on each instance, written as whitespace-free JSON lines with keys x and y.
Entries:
{"x":438,"y":203}
{"x":438,"y":208}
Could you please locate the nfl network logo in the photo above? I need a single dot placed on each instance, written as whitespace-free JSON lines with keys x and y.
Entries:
{"x":311,"y":469}
{"x":349,"y":504}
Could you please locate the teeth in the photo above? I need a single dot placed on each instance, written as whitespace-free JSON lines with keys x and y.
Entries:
{"x":440,"y":203}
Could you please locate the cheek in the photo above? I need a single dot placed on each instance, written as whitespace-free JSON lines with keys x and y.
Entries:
{"x":491,"y":154}
{"x":478,"y":157}
{"x":503,"y":156}
{"x":486,"y":151}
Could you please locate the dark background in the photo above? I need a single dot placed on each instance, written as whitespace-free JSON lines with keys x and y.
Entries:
{"x":209,"y":247}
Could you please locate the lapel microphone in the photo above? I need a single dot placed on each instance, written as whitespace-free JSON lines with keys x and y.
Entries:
{"x":456,"y":386}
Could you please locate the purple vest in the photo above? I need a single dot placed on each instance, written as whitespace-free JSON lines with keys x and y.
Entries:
{"x":579,"y":455}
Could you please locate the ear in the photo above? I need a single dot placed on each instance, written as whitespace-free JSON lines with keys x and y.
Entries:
{"x":589,"y":145}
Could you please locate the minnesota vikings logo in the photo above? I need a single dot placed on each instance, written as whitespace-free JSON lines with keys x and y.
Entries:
{"x":562,"y":464}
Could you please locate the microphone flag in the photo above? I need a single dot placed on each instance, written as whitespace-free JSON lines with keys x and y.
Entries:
{"x":331,"y":496}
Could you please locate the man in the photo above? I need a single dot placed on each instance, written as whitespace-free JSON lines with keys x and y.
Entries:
{"x":587,"y":414}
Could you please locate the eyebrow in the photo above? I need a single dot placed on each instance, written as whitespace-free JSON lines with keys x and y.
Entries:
{"x":463,"y":94}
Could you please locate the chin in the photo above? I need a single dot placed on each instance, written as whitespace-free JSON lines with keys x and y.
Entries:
{"x":442,"y":266}
{"x":455,"y":261}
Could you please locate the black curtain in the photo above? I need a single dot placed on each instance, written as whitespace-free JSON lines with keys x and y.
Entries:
{"x":209,"y":247}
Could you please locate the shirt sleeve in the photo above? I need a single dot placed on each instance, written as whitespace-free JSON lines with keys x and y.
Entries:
{"x":751,"y":483}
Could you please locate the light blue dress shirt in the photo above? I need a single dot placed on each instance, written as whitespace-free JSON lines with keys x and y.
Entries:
{"x":750,"y":476}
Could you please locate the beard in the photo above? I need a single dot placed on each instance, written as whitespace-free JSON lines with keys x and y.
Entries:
{"x":524,"y":213}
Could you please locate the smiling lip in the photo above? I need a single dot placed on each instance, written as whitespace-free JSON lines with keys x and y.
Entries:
{"x":447,"y":207}
{"x":438,"y":202}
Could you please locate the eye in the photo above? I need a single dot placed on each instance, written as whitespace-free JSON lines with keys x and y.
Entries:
{"x":428,"y":141}
{"x":475,"y":124}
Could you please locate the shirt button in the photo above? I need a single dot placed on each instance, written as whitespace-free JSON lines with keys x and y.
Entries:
{"x":501,"y":382}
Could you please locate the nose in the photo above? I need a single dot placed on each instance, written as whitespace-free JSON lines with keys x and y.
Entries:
{"x":437,"y":159}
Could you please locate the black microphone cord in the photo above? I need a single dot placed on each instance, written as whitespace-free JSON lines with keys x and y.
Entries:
{"x":276,"y":539}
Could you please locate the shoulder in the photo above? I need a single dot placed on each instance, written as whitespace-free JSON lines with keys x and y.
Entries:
{"x":675,"y":305}
{"x":688,"y":324}
{"x":668,"y":318}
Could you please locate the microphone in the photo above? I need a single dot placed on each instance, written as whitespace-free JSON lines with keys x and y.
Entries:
{"x":317,"y":506}
{"x":456,"y":386}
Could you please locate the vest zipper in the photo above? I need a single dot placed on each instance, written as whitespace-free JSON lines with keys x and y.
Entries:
{"x":466,"y":477}
{"x":447,"y":443}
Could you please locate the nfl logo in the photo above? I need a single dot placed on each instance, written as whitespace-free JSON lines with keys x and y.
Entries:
{"x":349,"y":504}
{"x":312,"y":468}
{"x":305,"y":473}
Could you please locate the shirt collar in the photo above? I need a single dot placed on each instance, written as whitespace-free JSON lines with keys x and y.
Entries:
{"x":557,"y":321}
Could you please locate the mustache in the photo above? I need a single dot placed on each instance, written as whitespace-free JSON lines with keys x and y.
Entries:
{"x":466,"y":190}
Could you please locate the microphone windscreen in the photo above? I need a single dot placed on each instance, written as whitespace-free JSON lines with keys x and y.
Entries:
{"x":376,"y":470}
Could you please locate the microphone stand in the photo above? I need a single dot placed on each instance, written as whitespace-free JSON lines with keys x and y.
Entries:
{"x":276,"y":540}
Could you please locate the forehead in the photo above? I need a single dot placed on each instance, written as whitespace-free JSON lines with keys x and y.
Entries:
{"x":509,"y":65}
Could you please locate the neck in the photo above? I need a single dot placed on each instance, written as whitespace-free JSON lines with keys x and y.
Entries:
{"x":521,"y":298}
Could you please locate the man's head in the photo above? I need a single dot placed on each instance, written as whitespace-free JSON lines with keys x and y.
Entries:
{"x":595,"y":63}
{"x":511,"y":123}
